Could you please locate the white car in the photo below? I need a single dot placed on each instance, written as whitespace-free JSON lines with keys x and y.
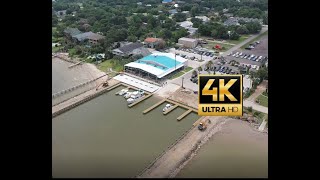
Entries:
{"x":240,"y":53}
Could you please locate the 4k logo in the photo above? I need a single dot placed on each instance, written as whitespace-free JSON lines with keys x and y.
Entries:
{"x":220,"y":95}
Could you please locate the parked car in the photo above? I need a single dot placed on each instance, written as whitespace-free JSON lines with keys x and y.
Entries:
{"x":240,"y":53}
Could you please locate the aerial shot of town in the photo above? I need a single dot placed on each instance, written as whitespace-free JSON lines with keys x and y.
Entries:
{"x":125,"y":89}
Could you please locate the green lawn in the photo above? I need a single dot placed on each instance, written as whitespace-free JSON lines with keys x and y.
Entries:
{"x":263,"y":100}
{"x":261,"y":115}
{"x":187,"y":69}
{"x":242,"y":38}
{"x":181,"y":73}
{"x":56,"y":49}
{"x":210,"y":45}
{"x":105,"y":65}
{"x":253,"y":40}
{"x":177,"y":75}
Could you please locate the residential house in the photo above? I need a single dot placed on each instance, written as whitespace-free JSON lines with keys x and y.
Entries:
{"x":166,"y":1}
{"x":235,"y":20}
{"x":139,"y":3}
{"x":91,"y":37}
{"x":204,"y":19}
{"x":172,"y":11}
{"x":154,"y":43}
{"x":127,"y":50}
{"x":69,"y":32}
{"x":188,"y":26}
{"x":187,"y":13}
{"x":188,"y":42}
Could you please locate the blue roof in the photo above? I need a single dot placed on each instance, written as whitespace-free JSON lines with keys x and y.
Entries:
{"x":166,"y":1}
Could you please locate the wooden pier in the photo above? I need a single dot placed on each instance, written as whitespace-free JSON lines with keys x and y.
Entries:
{"x":140,"y":100}
{"x":170,"y":109}
{"x":154,"y":106}
{"x":184,"y":114}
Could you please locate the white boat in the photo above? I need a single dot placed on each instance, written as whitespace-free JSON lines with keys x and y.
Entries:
{"x":127,"y":95}
{"x":166,"y":107}
{"x":123,"y":92}
{"x":130,"y":100}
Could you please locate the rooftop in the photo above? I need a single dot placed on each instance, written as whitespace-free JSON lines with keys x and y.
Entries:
{"x":72,"y":31}
{"x":158,"y":64}
{"x":151,"y":40}
{"x":130,"y":47}
{"x":88,"y":35}
{"x":188,"y":39}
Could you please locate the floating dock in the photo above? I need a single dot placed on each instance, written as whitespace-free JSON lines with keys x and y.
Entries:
{"x":184,"y":114}
{"x":170,"y":109}
{"x":154,"y":106}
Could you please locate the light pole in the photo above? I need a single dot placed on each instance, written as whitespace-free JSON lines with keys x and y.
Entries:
{"x":182,"y":82}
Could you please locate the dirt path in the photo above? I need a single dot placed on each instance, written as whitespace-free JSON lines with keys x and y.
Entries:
{"x":170,"y":163}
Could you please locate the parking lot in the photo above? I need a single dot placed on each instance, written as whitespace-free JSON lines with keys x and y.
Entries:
{"x":194,"y":54}
{"x":251,"y":58}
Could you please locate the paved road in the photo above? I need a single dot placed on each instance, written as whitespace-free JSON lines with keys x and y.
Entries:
{"x":255,"y":106}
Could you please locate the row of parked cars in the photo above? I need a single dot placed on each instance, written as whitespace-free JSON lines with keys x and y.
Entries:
{"x":196,"y":51}
{"x":252,"y":45}
{"x":251,"y":57}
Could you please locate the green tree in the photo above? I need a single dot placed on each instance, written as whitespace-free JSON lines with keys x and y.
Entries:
{"x":200,"y":69}
{"x":234,"y":36}
{"x":242,"y":30}
{"x":132,"y":38}
{"x":179,"y":17}
{"x":254,"y":27}
{"x":194,"y":11}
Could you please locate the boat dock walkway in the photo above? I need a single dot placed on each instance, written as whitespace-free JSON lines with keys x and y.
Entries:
{"x":176,"y":104}
{"x":170,"y":109}
{"x":184,"y":114}
{"x":154,"y":106}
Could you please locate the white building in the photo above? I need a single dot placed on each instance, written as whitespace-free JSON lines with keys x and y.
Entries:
{"x":188,"y":42}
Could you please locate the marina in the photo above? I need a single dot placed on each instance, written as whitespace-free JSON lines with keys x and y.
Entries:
{"x":85,"y":136}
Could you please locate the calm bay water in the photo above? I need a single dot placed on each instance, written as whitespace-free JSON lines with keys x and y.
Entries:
{"x":105,"y":138}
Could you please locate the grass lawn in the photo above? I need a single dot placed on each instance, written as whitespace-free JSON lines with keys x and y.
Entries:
{"x":253,"y":40}
{"x":187,"y":69}
{"x":261,"y":116}
{"x":107,"y":64}
{"x":263,"y":100}
{"x":56,"y":49}
{"x":177,"y":75}
{"x":210,"y":45}
{"x":181,"y":73}
{"x":242,"y":38}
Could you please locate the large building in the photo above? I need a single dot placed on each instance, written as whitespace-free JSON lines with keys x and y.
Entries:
{"x":127,"y":50}
{"x":92,"y":38}
{"x":188,"y":42}
{"x":156,"y":66}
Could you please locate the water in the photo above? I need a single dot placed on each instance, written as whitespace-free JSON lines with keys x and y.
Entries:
{"x":235,"y":152}
{"x":65,"y":78}
{"x":105,"y":138}
{"x":162,"y":60}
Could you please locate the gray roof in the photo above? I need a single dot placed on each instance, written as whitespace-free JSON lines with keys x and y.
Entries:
{"x":88,"y":35}
{"x":130,"y":47}
{"x":72,"y":31}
